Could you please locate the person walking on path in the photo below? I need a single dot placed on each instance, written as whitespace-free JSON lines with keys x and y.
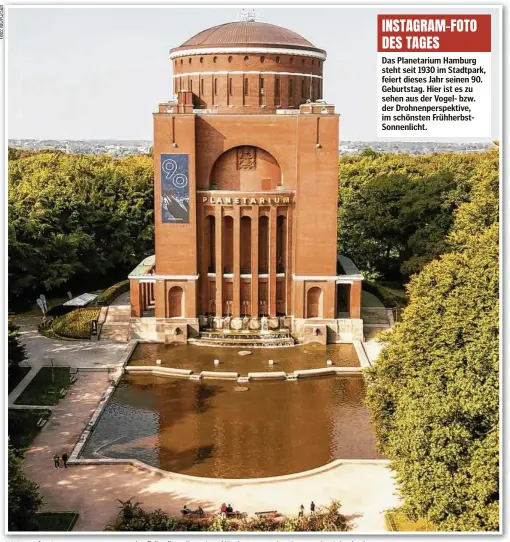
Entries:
{"x":312,"y":505}
{"x":56,"y":461}
{"x":65,"y":457}
{"x":301,"y":511}
{"x":223,"y":510}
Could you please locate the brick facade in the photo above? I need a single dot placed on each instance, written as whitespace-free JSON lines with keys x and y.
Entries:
{"x":262,"y":153}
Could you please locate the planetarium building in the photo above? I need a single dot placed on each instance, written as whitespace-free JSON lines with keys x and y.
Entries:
{"x":245,"y":185}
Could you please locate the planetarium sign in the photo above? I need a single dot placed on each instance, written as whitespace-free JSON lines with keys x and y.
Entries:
{"x":246,"y":201}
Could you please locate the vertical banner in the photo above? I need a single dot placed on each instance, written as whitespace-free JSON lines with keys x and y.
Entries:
{"x":175,"y":188}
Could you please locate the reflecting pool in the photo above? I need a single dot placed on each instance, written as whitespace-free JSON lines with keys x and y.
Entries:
{"x":209,"y":429}
{"x":201,"y":358}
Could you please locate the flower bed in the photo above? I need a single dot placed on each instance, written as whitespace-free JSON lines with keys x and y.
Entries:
{"x":76,"y":324}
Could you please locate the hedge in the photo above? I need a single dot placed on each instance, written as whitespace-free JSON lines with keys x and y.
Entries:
{"x":110,"y":294}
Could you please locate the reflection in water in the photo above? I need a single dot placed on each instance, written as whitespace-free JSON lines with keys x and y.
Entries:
{"x":208,"y":429}
{"x":201,"y":358}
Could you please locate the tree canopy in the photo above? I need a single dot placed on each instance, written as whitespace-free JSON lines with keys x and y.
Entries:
{"x":395,"y":210}
{"x":434,"y":390}
{"x":76,"y":218}
{"x":23,"y":498}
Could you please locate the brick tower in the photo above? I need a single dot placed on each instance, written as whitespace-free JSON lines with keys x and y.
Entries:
{"x":245,"y":181}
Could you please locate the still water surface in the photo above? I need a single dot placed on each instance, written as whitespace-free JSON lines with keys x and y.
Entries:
{"x":201,"y":358}
{"x":209,"y":429}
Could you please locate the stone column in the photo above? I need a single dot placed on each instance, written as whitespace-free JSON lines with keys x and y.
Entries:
{"x":161,"y":299}
{"x":355,"y":300}
{"x":272,"y":262}
{"x":203,"y":253}
{"x":144,"y":296}
{"x":219,"y":261}
{"x":255,"y":261}
{"x":134,"y":293}
{"x":236,"y":288}
{"x":288,"y":262}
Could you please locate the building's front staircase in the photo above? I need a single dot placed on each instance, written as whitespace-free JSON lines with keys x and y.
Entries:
{"x":116,"y":324}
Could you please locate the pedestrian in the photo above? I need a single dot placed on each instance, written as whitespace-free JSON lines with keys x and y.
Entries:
{"x":223,"y":510}
{"x":65,"y":457}
{"x":230,"y":510}
{"x":301,"y":511}
{"x":312,"y":507}
{"x":56,"y":461}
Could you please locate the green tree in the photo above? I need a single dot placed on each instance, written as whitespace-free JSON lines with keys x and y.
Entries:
{"x":16,"y":352}
{"x":396,"y":210}
{"x":75,"y":220}
{"x":23,"y":498}
{"x":434,"y":391}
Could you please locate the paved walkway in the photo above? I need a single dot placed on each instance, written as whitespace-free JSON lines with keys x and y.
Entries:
{"x":364,"y":490}
{"x":41,"y":349}
{"x":123,"y":299}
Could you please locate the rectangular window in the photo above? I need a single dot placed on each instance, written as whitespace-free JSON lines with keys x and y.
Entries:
{"x":216,"y":87}
{"x":277,"y":91}
{"x":261,"y":85}
{"x":191,"y":85}
{"x":175,"y":85}
{"x":302,"y":87}
{"x":291,"y":88}
{"x":201,"y":86}
{"x":246,"y":87}
{"x":230,"y":89}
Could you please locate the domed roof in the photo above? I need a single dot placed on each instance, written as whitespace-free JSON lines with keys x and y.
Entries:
{"x":247,"y":33}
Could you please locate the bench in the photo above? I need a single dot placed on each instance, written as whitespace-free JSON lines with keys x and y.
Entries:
{"x":267,"y":514}
{"x":236,"y":515}
{"x":194,"y":515}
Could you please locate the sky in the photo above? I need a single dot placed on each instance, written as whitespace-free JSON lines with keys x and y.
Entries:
{"x":99,"y":73}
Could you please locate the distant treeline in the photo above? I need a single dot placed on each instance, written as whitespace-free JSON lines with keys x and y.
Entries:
{"x":76,"y":222}
{"x":81,"y":220}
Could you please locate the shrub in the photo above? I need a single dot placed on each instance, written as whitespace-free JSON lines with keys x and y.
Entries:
{"x":133,"y":518}
{"x":76,"y":324}
{"x":111,"y":293}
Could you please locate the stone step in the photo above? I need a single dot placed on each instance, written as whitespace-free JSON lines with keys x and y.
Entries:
{"x":245,"y":343}
{"x":115,"y":332}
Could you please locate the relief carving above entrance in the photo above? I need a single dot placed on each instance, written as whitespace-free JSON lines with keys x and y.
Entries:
{"x":246,"y":158}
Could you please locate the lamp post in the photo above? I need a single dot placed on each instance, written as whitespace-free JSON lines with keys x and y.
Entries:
{"x":245,"y":305}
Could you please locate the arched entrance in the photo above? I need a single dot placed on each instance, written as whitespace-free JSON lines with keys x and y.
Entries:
{"x":314,"y":302}
{"x":175,"y":302}
{"x":246,"y":168}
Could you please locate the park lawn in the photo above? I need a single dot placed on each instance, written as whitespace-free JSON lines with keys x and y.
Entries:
{"x":45,"y":387}
{"x":396,"y":289}
{"x":396,"y":520}
{"x":23,"y":428}
{"x":56,"y":521}
{"x":15,"y":375}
